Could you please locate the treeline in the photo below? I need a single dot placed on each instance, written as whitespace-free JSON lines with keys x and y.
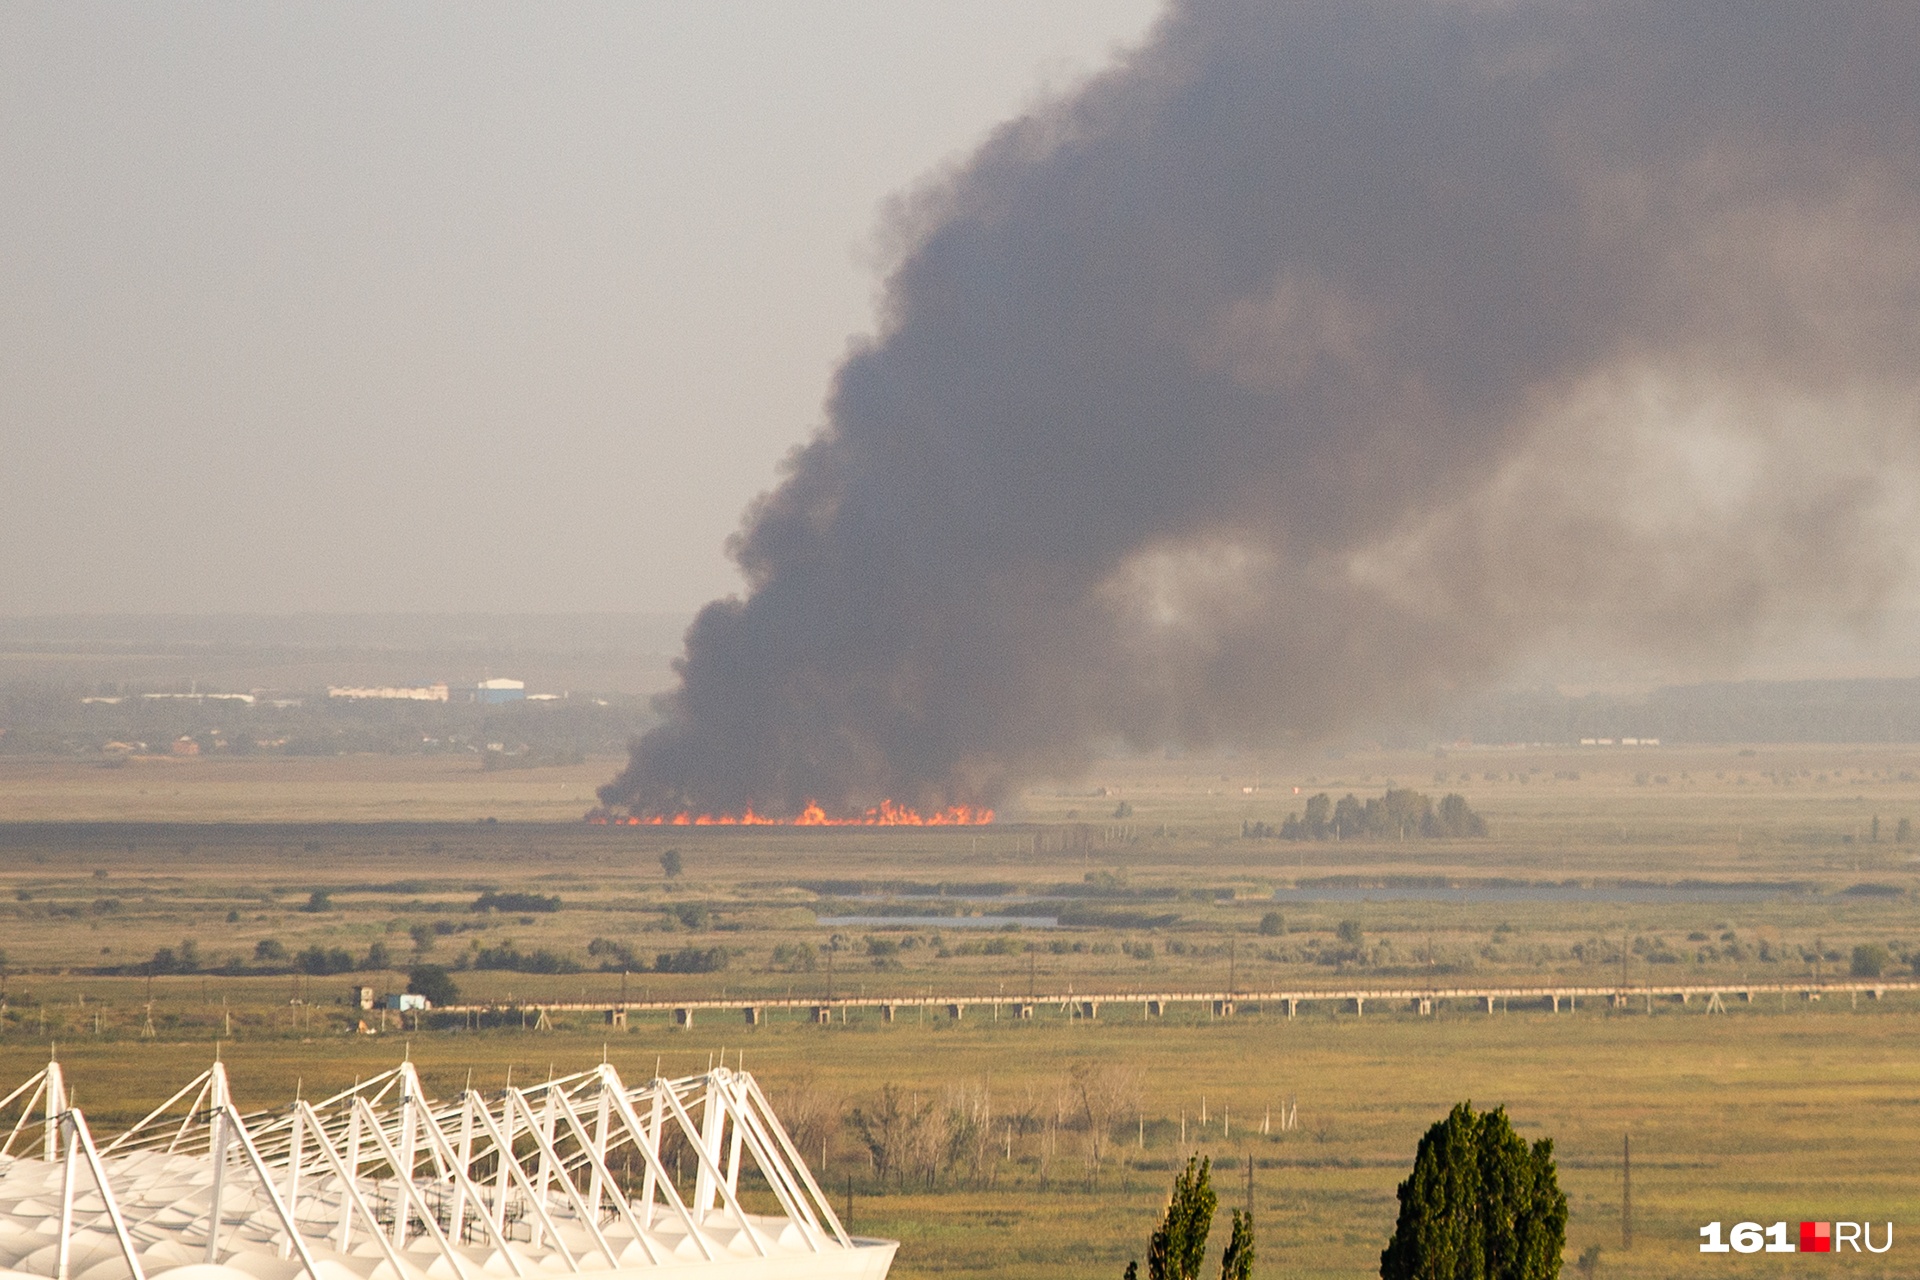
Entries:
{"x":1400,"y":814}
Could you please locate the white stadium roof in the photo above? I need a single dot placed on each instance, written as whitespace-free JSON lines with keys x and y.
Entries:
{"x":199,"y":1191}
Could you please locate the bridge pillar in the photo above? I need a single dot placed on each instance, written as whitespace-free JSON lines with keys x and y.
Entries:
{"x":1489,"y":1004}
{"x":1293,"y":1007}
{"x":1556,"y":1003}
{"x":1686,"y":997}
{"x":1749,"y":996}
{"x":1156,"y":1008}
{"x":616,"y":1017}
{"x":1223,"y":1008}
{"x":1878,"y":992}
{"x":1619,"y":999}
{"x":1024,"y":1012}
{"x":683,"y":1017}
{"x":823,"y":1014}
{"x":956,"y":1011}
{"x":753,"y":1015}
{"x":1425,"y":1005}
{"x":1087,"y":1009}
{"x":888,"y":1012}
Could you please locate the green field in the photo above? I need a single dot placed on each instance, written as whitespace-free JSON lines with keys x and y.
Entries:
{"x":1780,"y":1109}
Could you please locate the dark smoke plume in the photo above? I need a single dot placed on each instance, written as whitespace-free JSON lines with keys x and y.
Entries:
{"x":1323,"y":357}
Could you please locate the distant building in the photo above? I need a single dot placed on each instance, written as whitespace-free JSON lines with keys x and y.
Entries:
{"x":501,"y":691}
{"x":361,"y":997}
{"x":197,"y":697}
{"x":400,"y":693}
{"x":405,"y":1002}
{"x":184,"y":746}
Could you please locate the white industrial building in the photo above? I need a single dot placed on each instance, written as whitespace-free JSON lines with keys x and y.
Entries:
{"x":401,"y":693}
{"x":381,"y":1182}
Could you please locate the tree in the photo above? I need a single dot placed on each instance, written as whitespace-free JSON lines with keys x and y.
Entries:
{"x":671,"y":863}
{"x":1178,"y":1247}
{"x":1237,"y":1262}
{"x":1104,"y":1094}
{"x":1870,"y":960}
{"x":1479,"y":1205}
{"x":433,"y":982}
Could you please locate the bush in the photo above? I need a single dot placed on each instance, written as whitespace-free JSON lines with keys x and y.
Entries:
{"x":671,"y":863}
{"x":319,"y":900}
{"x":268,"y":950}
{"x":433,"y":982}
{"x":1273,"y":924}
{"x":691,"y":915}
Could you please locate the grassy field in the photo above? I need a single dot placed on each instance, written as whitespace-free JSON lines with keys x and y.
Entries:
{"x":1758,"y":864}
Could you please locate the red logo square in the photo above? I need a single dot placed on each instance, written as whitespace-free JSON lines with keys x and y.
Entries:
{"x":1816,"y":1237}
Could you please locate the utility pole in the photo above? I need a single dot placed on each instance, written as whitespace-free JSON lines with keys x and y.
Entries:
{"x":1626,"y":1192}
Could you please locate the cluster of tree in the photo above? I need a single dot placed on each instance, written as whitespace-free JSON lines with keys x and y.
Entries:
{"x":1480,"y":1204}
{"x":510,"y":958}
{"x":1400,"y":814}
{"x":515,"y":901}
{"x":270,"y":954}
{"x":691,"y":960}
{"x":1179,"y":1245}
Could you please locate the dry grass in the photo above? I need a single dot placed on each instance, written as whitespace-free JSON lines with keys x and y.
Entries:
{"x":1767,"y":1113}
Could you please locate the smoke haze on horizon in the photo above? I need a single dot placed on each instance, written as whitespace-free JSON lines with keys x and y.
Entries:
{"x":1320,"y":359}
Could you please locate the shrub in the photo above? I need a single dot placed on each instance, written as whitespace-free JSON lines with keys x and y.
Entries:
{"x":268,"y":950}
{"x":1273,"y":924}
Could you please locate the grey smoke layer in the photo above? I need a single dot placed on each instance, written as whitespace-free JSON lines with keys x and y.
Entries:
{"x":1324,"y":357}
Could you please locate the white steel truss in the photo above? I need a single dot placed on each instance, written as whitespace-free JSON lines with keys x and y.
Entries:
{"x":381,"y":1182}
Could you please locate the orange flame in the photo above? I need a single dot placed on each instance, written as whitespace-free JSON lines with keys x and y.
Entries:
{"x":885,"y":814}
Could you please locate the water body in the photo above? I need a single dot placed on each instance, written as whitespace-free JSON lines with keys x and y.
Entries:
{"x":942,"y":922}
{"x":1654,"y":894}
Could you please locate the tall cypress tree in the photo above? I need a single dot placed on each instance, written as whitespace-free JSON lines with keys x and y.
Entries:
{"x":1180,"y":1244}
{"x":1479,"y":1205}
{"x":1237,"y":1262}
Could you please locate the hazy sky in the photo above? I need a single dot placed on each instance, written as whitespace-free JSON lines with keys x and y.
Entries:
{"x":506,"y":307}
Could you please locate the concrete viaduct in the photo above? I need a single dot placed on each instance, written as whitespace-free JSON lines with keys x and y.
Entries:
{"x":1221,"y":1004}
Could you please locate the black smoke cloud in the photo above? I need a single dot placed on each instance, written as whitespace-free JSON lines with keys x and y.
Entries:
{"x":1322,"y":357}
